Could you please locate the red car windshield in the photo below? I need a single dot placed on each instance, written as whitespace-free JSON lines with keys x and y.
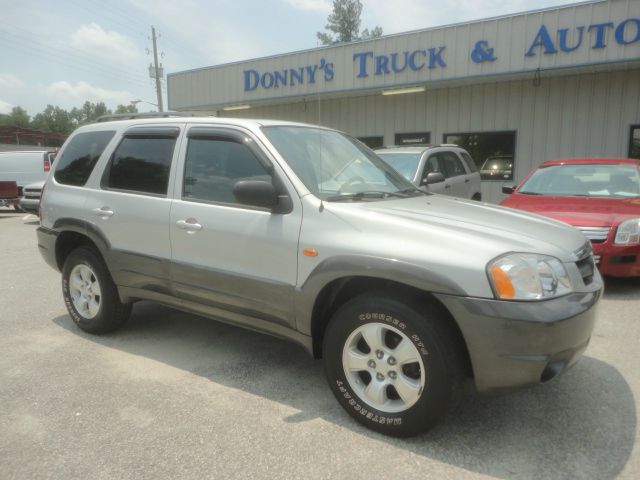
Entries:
{"x":615,"y":180}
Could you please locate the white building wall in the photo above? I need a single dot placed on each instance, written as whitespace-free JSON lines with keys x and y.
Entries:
{"x":586,"y":114}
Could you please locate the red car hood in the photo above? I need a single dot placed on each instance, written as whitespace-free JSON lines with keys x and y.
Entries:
{"x":578,"y":211}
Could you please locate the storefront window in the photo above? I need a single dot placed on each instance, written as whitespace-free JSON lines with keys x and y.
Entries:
{"x":493,"y":152}
{"x":419,"y":138}
{"x":372,"y":142}
{"x":634,"y":142}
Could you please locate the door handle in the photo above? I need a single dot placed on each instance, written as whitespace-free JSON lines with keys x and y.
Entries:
{"x":466,"y":180}
{"x":447,"y":186}
{"x":103,"y":212}
{"x":191,"y":225}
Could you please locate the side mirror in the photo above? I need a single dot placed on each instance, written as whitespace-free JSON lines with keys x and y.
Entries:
{"x":257,"y":193}
{"x":433,"y":177}
{"x":508,"y":190}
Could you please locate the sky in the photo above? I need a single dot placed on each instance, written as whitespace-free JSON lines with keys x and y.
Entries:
{"x":65,"y":52}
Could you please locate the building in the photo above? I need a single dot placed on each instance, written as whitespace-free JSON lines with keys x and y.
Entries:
{"x":521,"y":89}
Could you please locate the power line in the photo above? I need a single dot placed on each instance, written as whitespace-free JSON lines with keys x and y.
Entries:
{"x":130,"y":27}
{"x":85,"y":58}
{"x":65,"y":61}
{"x":130,"y":20}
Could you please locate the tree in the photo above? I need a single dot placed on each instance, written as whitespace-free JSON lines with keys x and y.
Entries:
{"x":58,"y":120}
{"x":17,"y":118}
{"x":126,"y":109}
{"x":53,"y":119}
{"x":344,"y":22}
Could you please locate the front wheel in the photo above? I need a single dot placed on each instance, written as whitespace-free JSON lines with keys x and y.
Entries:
{"x":394,"y":366}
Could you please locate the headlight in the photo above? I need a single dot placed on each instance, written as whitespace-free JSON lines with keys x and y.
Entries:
{"x":628,"y":232}
{"x":528,"y":276}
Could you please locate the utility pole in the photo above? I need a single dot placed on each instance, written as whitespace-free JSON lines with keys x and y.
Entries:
{"x":156,"y":71}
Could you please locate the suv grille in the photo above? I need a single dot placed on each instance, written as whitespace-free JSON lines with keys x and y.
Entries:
{"x":32,"y":192}
{"x":595,"y":234}
{"x":586,"y":268}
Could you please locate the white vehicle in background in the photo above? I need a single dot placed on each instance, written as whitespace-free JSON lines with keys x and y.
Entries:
{"x":444,"y":169}
{"x":24,"y":167}
{"x":30,"y":200}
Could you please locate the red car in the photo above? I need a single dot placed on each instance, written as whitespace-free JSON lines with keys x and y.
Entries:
{"x":598,"y":196}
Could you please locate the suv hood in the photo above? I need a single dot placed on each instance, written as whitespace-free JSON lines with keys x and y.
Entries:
{"x":579,"y":211}
{"x":460,"y":226}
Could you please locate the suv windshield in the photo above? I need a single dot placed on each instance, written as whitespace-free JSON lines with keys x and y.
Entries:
{"x":334,"y":166}
{"x":498,"y":163}
{"x":584,"y":180}
{"x":405,"y":163}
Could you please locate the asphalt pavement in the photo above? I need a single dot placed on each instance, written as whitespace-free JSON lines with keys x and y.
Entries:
{"x":173,"y":395}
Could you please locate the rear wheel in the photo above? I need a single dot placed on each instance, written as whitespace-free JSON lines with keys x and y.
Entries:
{"x":394,"y":366}
{"x":89,"y":293}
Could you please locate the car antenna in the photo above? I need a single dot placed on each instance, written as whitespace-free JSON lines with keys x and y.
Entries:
{"x":321,"y":206}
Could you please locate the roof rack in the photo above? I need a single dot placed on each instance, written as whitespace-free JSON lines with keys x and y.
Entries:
{"x":132,"y":116}
{"x":409,"y":145}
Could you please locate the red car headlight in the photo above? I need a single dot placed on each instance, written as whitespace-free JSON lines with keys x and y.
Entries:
{"x":628,"y":232}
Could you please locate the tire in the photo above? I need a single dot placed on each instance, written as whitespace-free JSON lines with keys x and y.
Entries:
{"x":477,"y":197}
{"x":418,"y":388}
{"x":89,"y":293}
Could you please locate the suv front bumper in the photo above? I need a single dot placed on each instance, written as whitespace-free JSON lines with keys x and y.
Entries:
{"x":30,"y":205}
{"x":515,"y":344}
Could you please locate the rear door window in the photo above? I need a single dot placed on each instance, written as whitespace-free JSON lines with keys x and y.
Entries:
{"x":451,"y":164}
{"x":469,"y":161}
{"x":80,"y":156}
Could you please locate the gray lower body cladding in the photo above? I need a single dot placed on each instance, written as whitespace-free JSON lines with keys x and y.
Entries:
{"x":515,"y":344}
{"x":510,"y":344}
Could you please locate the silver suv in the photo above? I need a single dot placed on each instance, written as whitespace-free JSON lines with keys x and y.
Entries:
{"x":444,"y":169}
{"x":302,"y":232}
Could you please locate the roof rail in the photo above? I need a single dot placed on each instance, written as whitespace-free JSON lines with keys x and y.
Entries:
{"x":132,"y":116}
{"x":425,"y":145}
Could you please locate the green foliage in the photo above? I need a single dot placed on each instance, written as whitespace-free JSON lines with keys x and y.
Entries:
{"x":17,"y":118}
{"x":126,"y":109}
{"x":58,"y":120}
{"x":89,"y":112}
{"x":376,"y":32}
{"x":344,"y":22}
{"x":53,"y":119}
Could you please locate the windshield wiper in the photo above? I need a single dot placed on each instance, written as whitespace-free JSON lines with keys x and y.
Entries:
{"x":365,"y":194}
{"x":410,"y":190}
{"x":529,"y":193}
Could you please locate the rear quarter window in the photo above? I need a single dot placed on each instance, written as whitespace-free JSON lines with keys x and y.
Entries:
{"x":77,"y":160}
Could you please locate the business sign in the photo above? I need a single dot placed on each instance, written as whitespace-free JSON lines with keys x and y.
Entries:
{"x":368,"y":63}
{"x":571,"y":36}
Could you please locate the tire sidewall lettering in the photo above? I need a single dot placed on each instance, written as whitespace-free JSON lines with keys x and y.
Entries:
{"x":367,"y":317}
{"x":365,"y":411}
{"x":68,"y":303}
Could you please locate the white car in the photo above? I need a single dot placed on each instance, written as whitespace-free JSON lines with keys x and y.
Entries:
{"x":444,"y":169}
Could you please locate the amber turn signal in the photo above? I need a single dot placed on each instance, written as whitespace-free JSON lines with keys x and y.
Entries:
{"x":502,"y":283}
{"x":310,"y":252}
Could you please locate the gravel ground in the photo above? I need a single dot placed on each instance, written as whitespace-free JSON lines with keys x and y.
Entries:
{"x":173,"y":395}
